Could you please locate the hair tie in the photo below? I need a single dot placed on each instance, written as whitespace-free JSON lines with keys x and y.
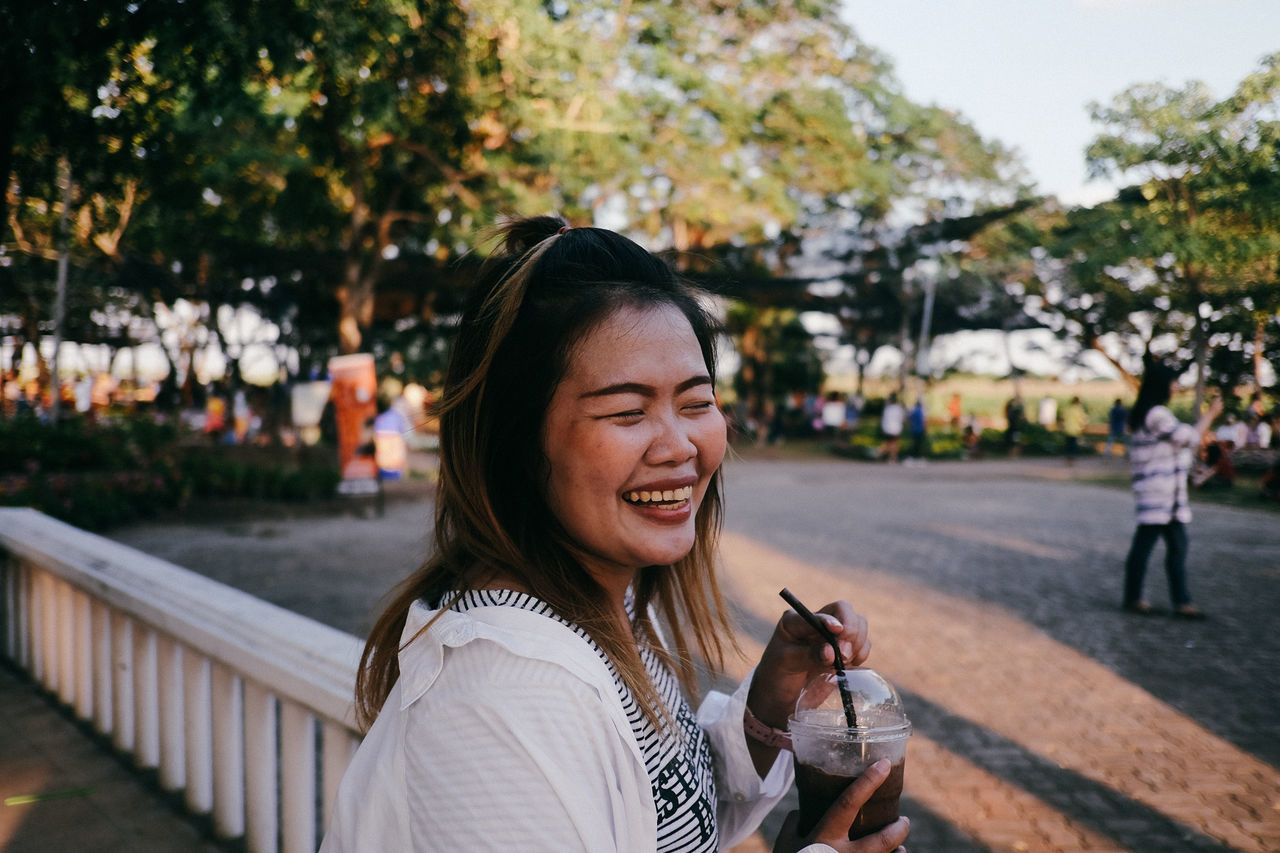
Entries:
{"x":562,"y":230}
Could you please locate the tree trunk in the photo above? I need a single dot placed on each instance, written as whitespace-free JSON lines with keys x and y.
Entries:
{"x":60,"y":299}
{"x":1259,"y":340}
{"x":1202,"y":361}
{"x":355,"y":300}
{"x":907,"y":367}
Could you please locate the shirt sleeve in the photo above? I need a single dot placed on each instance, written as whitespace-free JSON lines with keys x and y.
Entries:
{"x":509,"y":753}
{"x":744,"y":798}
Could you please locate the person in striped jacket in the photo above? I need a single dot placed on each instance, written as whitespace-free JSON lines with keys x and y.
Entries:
{"x":1161,"y":452}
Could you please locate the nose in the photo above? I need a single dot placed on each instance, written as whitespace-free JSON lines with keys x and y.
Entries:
{"x":672,"y":441}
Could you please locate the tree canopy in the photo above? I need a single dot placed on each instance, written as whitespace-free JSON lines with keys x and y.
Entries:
{"x":333,"y":164}
{"x":1185,"y":259}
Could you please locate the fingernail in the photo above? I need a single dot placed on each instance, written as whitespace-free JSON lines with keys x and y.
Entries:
{"x":881,"y":767}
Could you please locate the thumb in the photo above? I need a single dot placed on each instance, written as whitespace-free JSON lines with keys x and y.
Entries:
{"x":844,"y":811}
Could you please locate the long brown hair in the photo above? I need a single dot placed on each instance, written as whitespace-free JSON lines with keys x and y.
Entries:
{"x":543,"y":290}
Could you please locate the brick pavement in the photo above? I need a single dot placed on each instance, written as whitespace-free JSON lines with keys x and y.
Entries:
{"x":1045,"y":720}
{"x":60,"y":790}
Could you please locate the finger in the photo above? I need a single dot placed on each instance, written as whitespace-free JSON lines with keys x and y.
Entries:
{"x":888,"y":839}
{"x":798,"y":630}
{"x":854,"y":632}
{"x":837,"y":617}
{"x":841,"y":814}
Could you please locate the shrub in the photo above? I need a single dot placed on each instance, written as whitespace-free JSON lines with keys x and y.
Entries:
{"x":99,"y":475}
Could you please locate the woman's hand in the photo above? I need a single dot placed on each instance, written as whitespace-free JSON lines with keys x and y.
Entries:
{"x":796,"y":653}
{"x":833,"y":829}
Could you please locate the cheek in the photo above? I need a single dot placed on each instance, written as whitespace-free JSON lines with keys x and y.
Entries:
{"x":712,"y":443}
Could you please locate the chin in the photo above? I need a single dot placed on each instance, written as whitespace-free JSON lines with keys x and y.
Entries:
{"x":667,"y":556}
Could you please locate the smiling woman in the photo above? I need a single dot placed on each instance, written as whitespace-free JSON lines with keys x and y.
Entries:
{"x":633,"y":439}
{"x":520,"y":690}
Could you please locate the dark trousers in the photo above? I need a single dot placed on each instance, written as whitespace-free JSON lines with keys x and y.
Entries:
{"x":1175,"y":561}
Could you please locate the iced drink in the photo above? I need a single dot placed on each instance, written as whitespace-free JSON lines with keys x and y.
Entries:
{"x":818,"y":790}
{"x":830,"y":754}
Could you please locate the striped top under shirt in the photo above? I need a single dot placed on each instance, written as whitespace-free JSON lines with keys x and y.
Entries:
{"x":678,"y":762}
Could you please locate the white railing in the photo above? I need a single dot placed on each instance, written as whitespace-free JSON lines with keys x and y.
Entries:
{"x":242,"y":706}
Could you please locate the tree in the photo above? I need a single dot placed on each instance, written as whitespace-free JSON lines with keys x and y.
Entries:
{"x":303,"y":157}
{"x":1196,"y":241}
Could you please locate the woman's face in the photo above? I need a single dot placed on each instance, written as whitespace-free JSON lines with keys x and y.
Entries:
{"x":633,"y":436}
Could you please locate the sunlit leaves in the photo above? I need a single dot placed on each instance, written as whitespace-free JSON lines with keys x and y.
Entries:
{"x":1175,"y":254}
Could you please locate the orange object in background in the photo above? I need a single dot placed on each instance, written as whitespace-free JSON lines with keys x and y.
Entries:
{"x":354,"y":393}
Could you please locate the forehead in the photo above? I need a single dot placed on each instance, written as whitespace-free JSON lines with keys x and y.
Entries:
{"x":633,"y":341}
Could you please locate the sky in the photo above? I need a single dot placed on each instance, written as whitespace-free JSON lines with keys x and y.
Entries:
{"x":1024,"y":71}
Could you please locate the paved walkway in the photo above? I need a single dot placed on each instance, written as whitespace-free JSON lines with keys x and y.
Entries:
{"x":1045,"y":720}
{"x":62,"y":791}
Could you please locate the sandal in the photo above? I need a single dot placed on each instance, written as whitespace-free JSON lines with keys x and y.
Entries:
{"x":1141,"y":608}
{"x":1189,"y":611}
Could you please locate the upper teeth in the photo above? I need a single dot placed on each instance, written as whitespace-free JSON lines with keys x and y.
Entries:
{"x":666,"y":496}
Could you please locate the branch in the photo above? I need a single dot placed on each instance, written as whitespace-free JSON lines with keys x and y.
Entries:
{"x":109,"y":243}
{"x":1129,"y":378}
{"x":452,"y":176}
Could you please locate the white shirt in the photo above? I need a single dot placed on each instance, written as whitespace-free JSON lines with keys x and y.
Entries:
{"x":891,"y":418}
{"x":833,"y":414}
{"x":505,"y":732}
{"x":1235,"y":432}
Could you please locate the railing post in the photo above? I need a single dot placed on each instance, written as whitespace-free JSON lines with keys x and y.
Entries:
{"x":228,"y":753}
{"x":49,"y":631}
{"x":146,"y":706}
{"x":338,"y":747}
{"x":122,"y":681}
{"x":64,"y":628}
{"x":103,"y":700}
{"x":261,"y":777}
{"x":24,"y":623}
{"x":199,"y":746}
{"x":169,"y":684}
{"x":83,"y":652}
{"x":9,"y":571}
{"x":298,"y":797}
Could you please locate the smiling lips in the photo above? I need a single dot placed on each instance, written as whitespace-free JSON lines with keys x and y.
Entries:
{"x":659,"y":498}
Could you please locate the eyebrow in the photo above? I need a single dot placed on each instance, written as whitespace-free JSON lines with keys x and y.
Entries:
{"x":643,"y":390}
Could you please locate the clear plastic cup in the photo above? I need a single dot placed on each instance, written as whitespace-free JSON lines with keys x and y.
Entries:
{"x":830,"y":754}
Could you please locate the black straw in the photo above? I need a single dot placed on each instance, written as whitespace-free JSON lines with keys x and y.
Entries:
{"x":818,"y":625}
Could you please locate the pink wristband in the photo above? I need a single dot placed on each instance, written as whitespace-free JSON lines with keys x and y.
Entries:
{"x":767,"y":735}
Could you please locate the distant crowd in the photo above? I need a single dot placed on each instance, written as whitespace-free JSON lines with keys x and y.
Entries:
{"x":1242,"y":438}
{"x":240,"y":413}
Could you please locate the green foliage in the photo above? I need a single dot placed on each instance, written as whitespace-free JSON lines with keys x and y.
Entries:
{"x":75,"y":445}
{"x":99,"y":475}
{"x":246,"y":472}
{"x":1185,"y":260}
{"x":303,"y":157}
{"x":945,"y":446}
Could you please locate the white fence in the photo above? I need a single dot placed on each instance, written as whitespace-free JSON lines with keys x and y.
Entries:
{"x":239,"y":704}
